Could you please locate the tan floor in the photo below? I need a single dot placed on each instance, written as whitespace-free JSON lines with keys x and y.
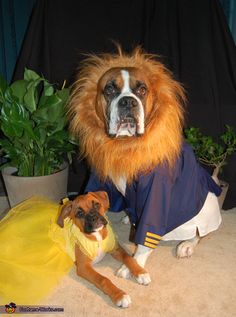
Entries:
{"x":202,"y":286}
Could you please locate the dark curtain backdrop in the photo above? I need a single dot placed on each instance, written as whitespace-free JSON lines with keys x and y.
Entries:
{"x":192,"y":38}
{"x":229,"y":7}
{"x":14,"y":17}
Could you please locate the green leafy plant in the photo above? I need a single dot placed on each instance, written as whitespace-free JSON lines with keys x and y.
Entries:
{"x":34,"y":137}
{"x":210,"y":152}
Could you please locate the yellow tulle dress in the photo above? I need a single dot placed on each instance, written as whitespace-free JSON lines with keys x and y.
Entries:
{"x":31,"y":263}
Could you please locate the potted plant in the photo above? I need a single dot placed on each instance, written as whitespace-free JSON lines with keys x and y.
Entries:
{"x":211,"y":153}
{"x":34,"y":143}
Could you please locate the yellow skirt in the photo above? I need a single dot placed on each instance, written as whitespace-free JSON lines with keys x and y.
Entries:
{"x":31,"y":264}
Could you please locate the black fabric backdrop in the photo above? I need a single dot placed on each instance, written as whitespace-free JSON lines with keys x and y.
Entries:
{"x":191,"y":37}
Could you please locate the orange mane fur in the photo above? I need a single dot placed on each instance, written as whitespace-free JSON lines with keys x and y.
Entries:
{"x":128,"y":156}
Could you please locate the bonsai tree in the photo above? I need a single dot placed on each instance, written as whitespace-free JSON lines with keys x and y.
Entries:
{"x":210,"y":152}
{"x":34,"y":136}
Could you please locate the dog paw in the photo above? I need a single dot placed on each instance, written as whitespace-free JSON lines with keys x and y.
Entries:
{"x":123,"y":272}
{"x":143,"y":279}
{"x":125,"y":220}
{"x":124,"y":302}
{"x":185,"y":249}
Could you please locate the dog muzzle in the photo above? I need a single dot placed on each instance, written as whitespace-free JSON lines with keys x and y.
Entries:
{"x":94,"y":221}
{"x":126,"y":116}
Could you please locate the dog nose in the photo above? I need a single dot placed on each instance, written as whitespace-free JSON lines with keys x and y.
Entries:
{"x":93,"y":220}
{"x":127,"y":102}
{"x":93,"y":216}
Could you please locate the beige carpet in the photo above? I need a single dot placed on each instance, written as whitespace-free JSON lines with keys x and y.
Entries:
{"x":204,"y":285}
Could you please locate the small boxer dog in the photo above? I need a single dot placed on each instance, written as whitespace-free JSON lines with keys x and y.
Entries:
{"x":90,"y":237}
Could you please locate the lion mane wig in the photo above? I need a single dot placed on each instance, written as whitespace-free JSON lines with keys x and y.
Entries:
{"x":164,"y":116}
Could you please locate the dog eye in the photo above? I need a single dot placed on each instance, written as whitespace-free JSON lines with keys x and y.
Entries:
{"x":141,"y":90}
{"x":96,"y":205}
{"x":80,"y":213}
{"x":109,"y":89}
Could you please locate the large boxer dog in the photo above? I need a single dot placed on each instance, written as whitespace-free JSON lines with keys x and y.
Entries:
{"x":127,"y":112}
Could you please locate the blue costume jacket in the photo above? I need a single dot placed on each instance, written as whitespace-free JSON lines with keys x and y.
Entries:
{"x":163,"y":199}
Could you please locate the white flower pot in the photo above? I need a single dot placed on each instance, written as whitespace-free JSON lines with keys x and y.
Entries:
{"x":19,"y":188}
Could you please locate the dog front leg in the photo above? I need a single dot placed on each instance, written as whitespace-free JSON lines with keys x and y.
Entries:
{"x":86,"y":271}
{"x":141,"y":255}
{"x":131,"y":265}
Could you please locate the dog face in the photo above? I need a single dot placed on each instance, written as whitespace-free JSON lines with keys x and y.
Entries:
{"x":123,"y":94}
{"x":127,"y":112}
{"x":86,"y":211}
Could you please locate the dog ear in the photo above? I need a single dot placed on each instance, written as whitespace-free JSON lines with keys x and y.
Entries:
{"x":65,"y":211}
{"x":103,"y":199}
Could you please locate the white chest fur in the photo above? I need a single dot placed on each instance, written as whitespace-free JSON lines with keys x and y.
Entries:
{"x":121,"y":185}
{"x":100,"y":253}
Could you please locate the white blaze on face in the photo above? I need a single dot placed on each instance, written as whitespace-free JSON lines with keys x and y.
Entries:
{"x":114,"y":110}
{"x":126,"y":89}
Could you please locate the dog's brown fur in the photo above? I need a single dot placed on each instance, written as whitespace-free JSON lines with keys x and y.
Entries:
{"x":163,"y":117}
{"x":83,"y":262}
